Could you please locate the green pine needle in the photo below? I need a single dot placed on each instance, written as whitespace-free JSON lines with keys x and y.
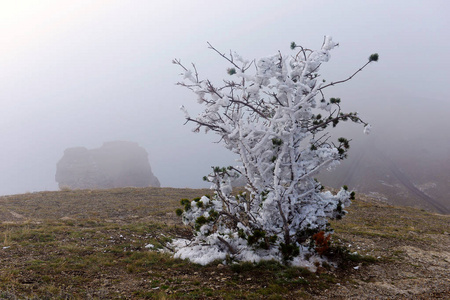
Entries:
{"x":373,"y":57}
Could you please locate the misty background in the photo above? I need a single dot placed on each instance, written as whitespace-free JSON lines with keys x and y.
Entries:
{"x":80,"y":73}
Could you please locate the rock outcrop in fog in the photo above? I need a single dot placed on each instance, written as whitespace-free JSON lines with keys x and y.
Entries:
{"x":405,"y":161}
{"x":115,"y":164}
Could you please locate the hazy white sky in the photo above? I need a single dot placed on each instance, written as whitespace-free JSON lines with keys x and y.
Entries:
{"x":79,"y":73}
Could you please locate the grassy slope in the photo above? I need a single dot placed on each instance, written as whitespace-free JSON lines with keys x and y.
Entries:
{"x":91,"y":244}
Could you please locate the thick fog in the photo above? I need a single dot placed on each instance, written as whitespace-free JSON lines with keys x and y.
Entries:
{"x":80,"y":73}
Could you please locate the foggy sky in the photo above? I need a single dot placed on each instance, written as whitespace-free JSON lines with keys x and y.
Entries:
{"x":80,"y":73}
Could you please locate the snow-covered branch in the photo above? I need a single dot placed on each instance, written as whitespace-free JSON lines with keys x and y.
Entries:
{"x":270,"y":118}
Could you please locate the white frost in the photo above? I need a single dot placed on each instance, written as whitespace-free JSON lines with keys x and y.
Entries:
{"x":184,"y":110}
{"x":274,"y":117}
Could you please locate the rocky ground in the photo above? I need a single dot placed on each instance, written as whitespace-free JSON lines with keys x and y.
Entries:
{"x":100,"y":244}
{"x":414,"y":247}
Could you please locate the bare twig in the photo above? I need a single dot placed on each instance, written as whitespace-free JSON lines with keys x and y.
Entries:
{"x":251,"y":107}
{"x":164,"y":244}
{"x":231,"y":249}
{"x":178,"y":62}
{"x":210,"y":126}
{"x":223,"y":55}
{"x":342,"y":81}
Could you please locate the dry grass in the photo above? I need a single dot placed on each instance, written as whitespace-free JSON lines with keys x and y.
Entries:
{"x":91,"y":245}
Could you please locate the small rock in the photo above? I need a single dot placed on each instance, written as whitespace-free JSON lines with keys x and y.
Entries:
{"x":220,"y":266}
{"x":321,"y":270}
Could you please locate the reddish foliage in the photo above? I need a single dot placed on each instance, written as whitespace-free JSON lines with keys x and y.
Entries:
{"x":322,"y":242}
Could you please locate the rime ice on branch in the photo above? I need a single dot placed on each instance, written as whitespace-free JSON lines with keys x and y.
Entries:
{"x":274,"y":115}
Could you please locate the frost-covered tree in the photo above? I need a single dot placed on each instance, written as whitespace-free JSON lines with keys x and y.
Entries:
{"x":274,"y":115}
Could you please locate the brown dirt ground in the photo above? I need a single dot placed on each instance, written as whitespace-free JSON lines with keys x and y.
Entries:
{"x":411,"y":247}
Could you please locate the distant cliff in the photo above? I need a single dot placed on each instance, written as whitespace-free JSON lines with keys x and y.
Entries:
{"x":115,"y":164}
